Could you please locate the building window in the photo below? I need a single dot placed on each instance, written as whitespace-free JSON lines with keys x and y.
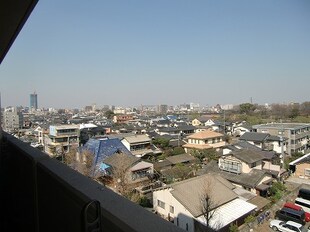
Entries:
{"x":253,"y":165}
{"x":161,"y":204}
{"x":186,"y":226}
{"x":171,"y":209}
{"x":307,"y":172}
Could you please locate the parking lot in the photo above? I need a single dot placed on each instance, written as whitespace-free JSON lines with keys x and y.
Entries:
{"x":292,"y":184}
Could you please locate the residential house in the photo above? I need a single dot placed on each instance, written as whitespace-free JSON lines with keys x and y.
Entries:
{"x":266,"y":141}
{"x":122,"y":118}
{"x":301,"y":167}
{"x":140,"y":145}
{"x":204,"y":140}
{"x":205,"y":121}
{"x":244,"y":168}
{"x":240,"y":129}
{"x":179,"y":130}
{"x":111,"y":153}
{"x":225,"y":127}
{"x":135,"y":170}
{"x":271,"y":160}
{"x":171,"y":161}
{"x":88,"y":131}
{"x":257,"y":139}
{"x":182,"y":203}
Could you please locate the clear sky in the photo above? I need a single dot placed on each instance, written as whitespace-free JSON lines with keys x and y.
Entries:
{"x":118,"y":52}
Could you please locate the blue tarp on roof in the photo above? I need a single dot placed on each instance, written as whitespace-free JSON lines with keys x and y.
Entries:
{"x":103,"y":148}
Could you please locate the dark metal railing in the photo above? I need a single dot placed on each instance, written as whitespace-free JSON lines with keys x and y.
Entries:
{"x":41,"y":194}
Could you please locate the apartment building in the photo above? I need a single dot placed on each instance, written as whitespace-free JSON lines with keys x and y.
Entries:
{"x":297,"y":134}
{"x":61,"y":138}
{"x":12,"y":121}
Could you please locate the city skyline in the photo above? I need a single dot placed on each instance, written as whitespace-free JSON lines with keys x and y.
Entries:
{"x":148,"y":53}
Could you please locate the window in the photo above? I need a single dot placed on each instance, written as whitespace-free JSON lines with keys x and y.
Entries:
{"x":161,"y":204}
{"x":171,"y":209}
{"x":186,"y":226}
{"x":253,"y":165}
{"x":307,"y":172}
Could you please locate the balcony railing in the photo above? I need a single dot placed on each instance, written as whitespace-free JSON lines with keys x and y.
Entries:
{"x":41,"y":194}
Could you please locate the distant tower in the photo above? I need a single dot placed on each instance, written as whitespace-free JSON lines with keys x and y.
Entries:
{"x":33,"y":101}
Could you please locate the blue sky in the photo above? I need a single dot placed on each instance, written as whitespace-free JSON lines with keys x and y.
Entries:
{"x":128,"y":53}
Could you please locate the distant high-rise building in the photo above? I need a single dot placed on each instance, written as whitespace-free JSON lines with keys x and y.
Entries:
{"x":33,"y":101}
{"x":162,"y":109}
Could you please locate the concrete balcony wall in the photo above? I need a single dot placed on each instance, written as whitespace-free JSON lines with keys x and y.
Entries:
{"x":41,"y":194}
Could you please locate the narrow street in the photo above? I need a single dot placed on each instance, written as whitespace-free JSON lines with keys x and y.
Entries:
{"x":292,"y":184}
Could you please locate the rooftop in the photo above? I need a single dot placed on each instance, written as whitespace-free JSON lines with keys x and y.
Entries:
{"x":285,"y":126}
{"x":205,"y":135}
{"x":189,"y":192}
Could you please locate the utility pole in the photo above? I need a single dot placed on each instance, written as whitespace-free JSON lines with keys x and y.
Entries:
{"x":224,"y":123}
{"x":282,"y":149}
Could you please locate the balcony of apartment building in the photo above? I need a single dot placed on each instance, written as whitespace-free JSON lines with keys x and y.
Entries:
{"x":41,"y":194}
{"x":299,"y":135}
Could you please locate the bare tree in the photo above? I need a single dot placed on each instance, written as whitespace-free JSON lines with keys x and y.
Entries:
{"x":120,"y":172}
{"x":208,"y":204}
{"x":81,"y":161}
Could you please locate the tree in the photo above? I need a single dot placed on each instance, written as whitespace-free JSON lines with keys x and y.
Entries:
{"x":161,"y":142}
{"x":247,"y":108}
{"x":81,"y":161}
{"x":208,"y":204}
{"x":178,"y":151}
{"x":294,"y":113}
{"x":208,"y":154}
{"x":109,"y":114}
{"x":233,"y":227}
{"x":120,"y":164}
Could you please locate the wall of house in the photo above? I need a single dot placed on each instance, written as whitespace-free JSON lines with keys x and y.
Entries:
{"x":269,"y":166}
{"x":182,"y":217}
{"x":266,"y":178}
{"x":196,"y":122}
{"x":303,"y":170}
{"x":246,"y":168}
{"x":126,"y":144}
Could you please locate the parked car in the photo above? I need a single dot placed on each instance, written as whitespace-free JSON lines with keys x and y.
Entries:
{"x":286,"y":214}
{"x":291,"y":205}
{"x":304,"y":193}
{"x":289,"y":226}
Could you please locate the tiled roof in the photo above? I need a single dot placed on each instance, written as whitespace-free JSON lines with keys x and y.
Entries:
{"x":248,"y":156}
{"x":197,"y":146}
{"x":121,"y":160}
{"x":137,"y":138}
{"x":190,"y":192}
{"x":254,"y":136}
{"x":245,"y":179}
{"x":205,"y":135}
{"x":103,"y":148}
{"x":176,"y":159}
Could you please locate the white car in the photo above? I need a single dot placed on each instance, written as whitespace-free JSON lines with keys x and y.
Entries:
{"x":288,"y":226}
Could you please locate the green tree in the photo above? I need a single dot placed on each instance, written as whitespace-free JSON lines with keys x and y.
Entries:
{"x":209,"y":154}
{"x":178,"y":151}
{"x":233,"y":227}
{"x":161,"y":142}
{"x":247,"y":108}
{"x":277,"y":190}
{"x":109,"y":114}
{"x":294,"y":113}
